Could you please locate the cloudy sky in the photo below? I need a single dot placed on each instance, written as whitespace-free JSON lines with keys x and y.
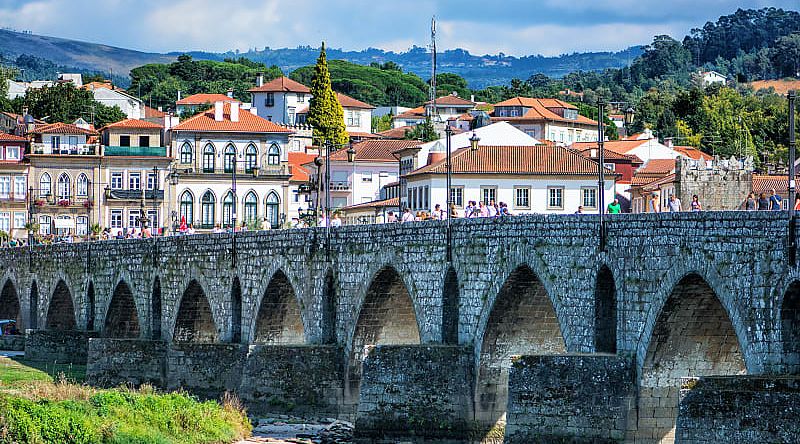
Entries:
{"x":517,"y":27}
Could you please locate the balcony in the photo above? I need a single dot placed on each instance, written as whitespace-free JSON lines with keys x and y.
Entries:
{"x":340,"y":186}
{"x":73,"y":150}
{"x":138,"y":151}
{"x":134,"y":195}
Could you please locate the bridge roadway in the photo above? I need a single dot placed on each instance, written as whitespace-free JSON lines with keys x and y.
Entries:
{"x":677,"y":295}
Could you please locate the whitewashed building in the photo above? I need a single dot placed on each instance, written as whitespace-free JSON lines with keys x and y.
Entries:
{"x":546,"y":119}
{"x":108,"y":95}
{"x":445,"y":108}
{"x":279,"y":100}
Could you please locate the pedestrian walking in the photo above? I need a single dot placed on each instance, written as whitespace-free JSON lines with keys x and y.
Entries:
{"x":695,"y":205}
{"x":614,"y":207}
{"x":774,"y":201}
{"x":750,"y":204}
{"x":652,"y":206}
{"x":491,"y":209}
{"x":407,"y":216}
{"x":482,"y":210}
{"x":674,"y":204}
{"x":580,"y":209}
{"x":391,"y":218}
{"x":763,"y":202}
{"x":453,"y":211}
{"x":469,"y":211}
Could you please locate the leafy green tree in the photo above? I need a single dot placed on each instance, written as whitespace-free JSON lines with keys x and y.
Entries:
{"x":382,"y":123}
{"x":63,"y":102}
{"x":424,"y":132}
{"x":786,"y":55}
{"x":325,"y":113}
{"x":590,"y":111}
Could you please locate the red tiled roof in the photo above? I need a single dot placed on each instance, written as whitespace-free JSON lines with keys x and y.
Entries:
{"x":451,"y":100}
{"x":418,"y":112}
{"x":202,"y":99}
{"x":378,"y":150}
{"x":657,"y":167}
{"x":349,"y":102}
{"x":763,"y":183}
{"x":639,"y":180}
{"x":61,"y":128}
{"x":150,"y":113}
{"x":655,"y":184}
{"x":296,"y":161}
{"x":98,"y":85}
{"x":133,"y":124}
{"x":11,"y":138}
{"x":396,"y":133}
{"x":281,"y":84}
{"x":617,"y":146}
{"x":393,"y":202}
{"x":610,"y":155}
{"x":692,"y":152}
{"x":538,"y":159}
{"x":539,"y":109}
{"x":530,"y":102}
{"x":467,"y":117}
{"x":363,"y":135}
{"x":248,"y":123}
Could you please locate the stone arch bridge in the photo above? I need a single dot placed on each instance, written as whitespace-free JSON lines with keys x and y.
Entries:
{"x":291,"y":320}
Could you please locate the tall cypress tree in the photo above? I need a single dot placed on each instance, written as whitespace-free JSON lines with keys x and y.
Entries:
{"x":325,"y":113}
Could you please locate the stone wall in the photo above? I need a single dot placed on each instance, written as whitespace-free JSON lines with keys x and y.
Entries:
{"x":739,"y":410}
{"x":60,"y":347}
{"x":722,"y":185}
{"x":206,"y":370}
{"x":570,"y":398}
{"x":114,"y":362}
{"x":416,"y":392}
{"x":12,"y":342}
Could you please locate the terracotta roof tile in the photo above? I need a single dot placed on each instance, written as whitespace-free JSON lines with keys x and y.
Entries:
{"x":349,"y":102}
{"x":11,"y":138}
{"x":396,"y":133}
{"x":378,"y":150}
{"x":248,"y":123}
{"x":393,"y":202}
{"x":414,"y":113}
{"x":656,"y":184}
{"x":538,"y":159}
{"x":296,"y":161}
{"x":763,"y":183}
{"x":592,"y":153}
{"x":150,"y":113}
{"x":538,"y":109}
{"x":617,"y":146}
{"x":657,"y":167}
{"x":61,"y":128}
{"x":692,"y":152}
{"x":530,"y":102}
{"x":133,"y":124}
{"x":202,"y":99}
{"x":281,"y":84}
{"x":451,"y":100}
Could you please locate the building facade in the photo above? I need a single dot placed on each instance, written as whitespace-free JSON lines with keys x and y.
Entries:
{"x":14,"y":203}
{"x":546,"y":119}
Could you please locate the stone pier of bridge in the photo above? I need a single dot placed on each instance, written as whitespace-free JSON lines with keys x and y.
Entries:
{"x":530,"y":328}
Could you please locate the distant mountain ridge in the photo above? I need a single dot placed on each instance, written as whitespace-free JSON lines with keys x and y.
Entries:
{"x":479,"y":70}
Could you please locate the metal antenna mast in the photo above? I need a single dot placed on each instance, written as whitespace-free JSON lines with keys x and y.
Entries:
{"x":433,"y":111}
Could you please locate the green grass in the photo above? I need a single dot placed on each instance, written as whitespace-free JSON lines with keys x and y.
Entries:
{"x":46,"y":405}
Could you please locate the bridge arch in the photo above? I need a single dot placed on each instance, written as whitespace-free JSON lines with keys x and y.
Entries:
{"x":61,"y":308}
{"x":605,"y":311}
{"x":521,"y":320}
{"x":10,"y":304}
{"x":195,"y":320}
{"x":122,"y":318}
{"x":386,"y":316}
{"x":279,"y":317}
{"x":790,"y":327}
{"x":693,"y":336}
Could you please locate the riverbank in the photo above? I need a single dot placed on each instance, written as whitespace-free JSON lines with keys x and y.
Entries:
{"x":42,"y":403}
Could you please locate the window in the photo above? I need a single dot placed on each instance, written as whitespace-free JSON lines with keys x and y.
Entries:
{"x":116,"y":181}
{"x":610,"y":166}
{"x":274,"y":155}
{"x":250,"y":158}
{"x":488,"y":194}
{"x":5,"y":186}
{"x":20,"y":219}
{"x":5,"y":222}
{"x":366,"y":176}
{"x":152,"y":219}
{"x":44,"y":185}
{"x":63,"y":225}
{"x":144,"y":141}
{"x":426,"y":195}
{"x":457,"y":196}
{"x":44,"y":224}
{"x":116,"y":218}
{"x":207,"y":204}
{"x":82,"y":186}
{"x":64,"y":191}
{"x":272,"y":212}
{"x":208,"y":159}
{"x":522,"y":197}
{"x":589,"y":197}
{"x":12,"y":153}
{"x":251,"y":207}
{"x":152,"y":179}
{"x":301,"y":98}
{"x":82,"y":225}
{"x":229,"y":162}
{"x":19,"y":187}
{"x":124,"y":140}
{"x":133,"y":218}
{"x":187,"y":207}
{"x":353,"y":118}
{"x":555,"y":198}
{"x":269,"y":100}
{"x":228,"y":209}
{"x":55,"y":142}
{"x":135,"y":181}
{"x":290,"y":115}
{"x":186,"y":153}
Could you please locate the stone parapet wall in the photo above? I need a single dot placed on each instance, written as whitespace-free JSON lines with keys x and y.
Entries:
{"x":206,"y":370}
{"x":130,"y":362}
{"x":12,"y":342}
{"x":59,"y":347}
{"x":570,"y":398}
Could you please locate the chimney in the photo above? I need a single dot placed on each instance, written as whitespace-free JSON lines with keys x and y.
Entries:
{"x":218,"y":109}
{"x":593,"y":153}
{"x":179,"y":95}
{"x":435,"y":156}
{"x":472,"y":98}
{"x":254,"y":111}
{"x":230,"y":93}
{"x":260,"y":80}
{"x":234,"y":111}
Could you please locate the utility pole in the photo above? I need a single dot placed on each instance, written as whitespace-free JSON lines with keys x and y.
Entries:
{"x":432,"y":92}
{"x":792,"y":244}
{"x":601,"y":181}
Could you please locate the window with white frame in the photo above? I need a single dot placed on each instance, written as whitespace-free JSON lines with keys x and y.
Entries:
{"x":135,"y":181}
{"x":5,"y":221}
{"x":366,"y":176}
{"x":251,"y":207}
{"x":116,"y":181}
{"x":488,"y":194}
{"x":152,"y":218}
{"x":12,"y":153}
{"x":82,"y":225}
{"x":457,"y":196}
{"x":152,"y":178}
{"x":207,"y":204}
{"x":426,"y":204}
{"x":133,"y":218}
{"x":20,"y":219}
{"x":228,"y":204}
{"x":555,"y":198}
{"x":186,"y":153}
{"x":82,"y":186}
{"x":44,"y":185}
{"x":229,"y":159}
{"x":274,"y":155}
{"x":272,"y":209}
{"x":301,"y":98}
{"x":208,"y":159}
{"x":250,"y":158}
{"x":522,"y":197}
{"x":19,"y":187}
{"x":187,"y":207}
{"x":64,"y":187}
{"x":5,"y":186}
{"x":116,"y":218}
{"x":589,"y":197}
{"x":44,"y":224}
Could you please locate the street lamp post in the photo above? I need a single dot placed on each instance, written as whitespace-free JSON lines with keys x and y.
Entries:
{"x":351,"y":157}
{"x":448,"y":131}
{"x":601,"y":172}
{"x":792,"y":191}
{"x":233,"y":213}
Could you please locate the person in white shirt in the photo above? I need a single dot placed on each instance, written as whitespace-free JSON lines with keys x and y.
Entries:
{"x":407,"y":216}
{"x":336,"y":221}
{"x":492,"y":209}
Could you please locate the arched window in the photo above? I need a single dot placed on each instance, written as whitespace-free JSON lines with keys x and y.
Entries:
{"x":251,"y":158}
{"x":82,"y":186}
{"x":274,"y":155}
{"x":207,"y":203}
{"x":230,"y":158}
{"x":251,"y":207}
{"x":228,"y":204}
{"x":208,"y":159}
{"x":186,"y":153}
{"x":44,"y":185}
{"x":187,"y":207}
{"x":273,"y":203}
{"x":64,"y":187}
